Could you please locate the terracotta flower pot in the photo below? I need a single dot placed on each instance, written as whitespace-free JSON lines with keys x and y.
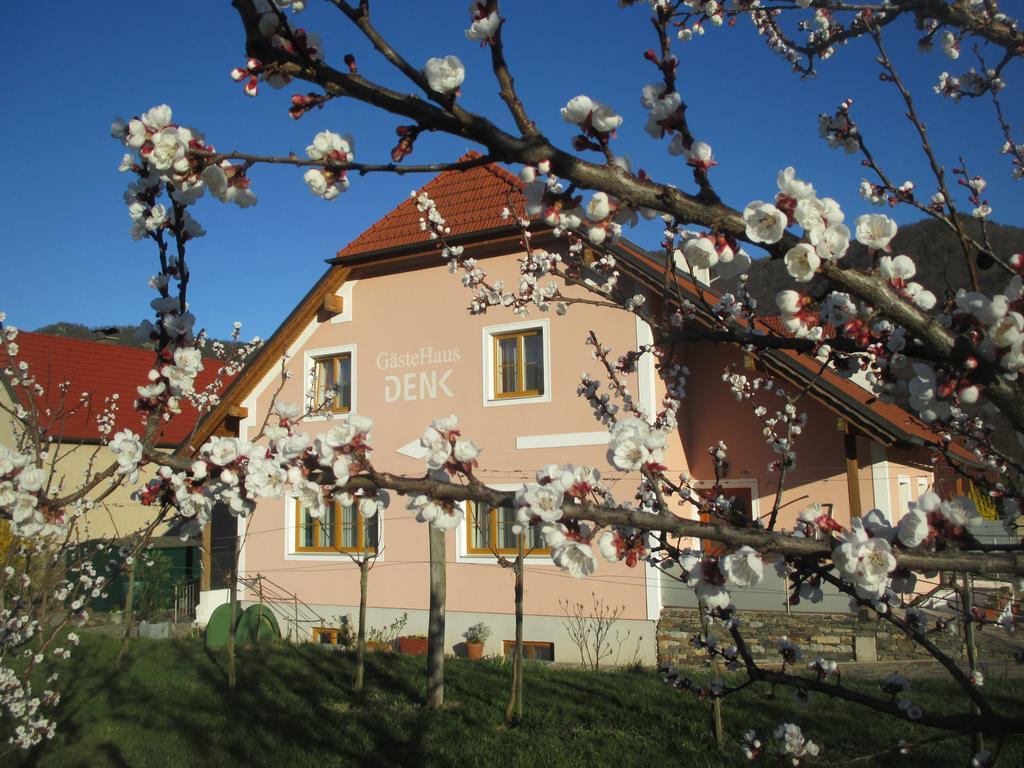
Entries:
{"x":475,"y":651}
{"x":414,"y":646}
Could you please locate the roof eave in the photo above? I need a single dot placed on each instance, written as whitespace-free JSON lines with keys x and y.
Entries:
{"x":425,"y":247}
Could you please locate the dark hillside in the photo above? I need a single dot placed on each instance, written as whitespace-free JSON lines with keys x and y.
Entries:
{"x":935,"y":250}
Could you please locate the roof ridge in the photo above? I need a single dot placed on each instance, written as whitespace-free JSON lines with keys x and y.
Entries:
{"x":114,"y":347}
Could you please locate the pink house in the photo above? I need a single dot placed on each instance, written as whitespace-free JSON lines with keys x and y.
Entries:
{"x":385,"y":324}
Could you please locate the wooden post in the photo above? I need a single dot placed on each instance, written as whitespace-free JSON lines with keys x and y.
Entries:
{"x":972,"y":661}
{"x":716,"y":704}
{"x":129,"y":615}
{"x":233,"y":586}
{"x":205,"y":583}
{"x":435,"y":627}
{"x":514,"y":710}
{"x":364,"y":573}
{"x":852,"y":472}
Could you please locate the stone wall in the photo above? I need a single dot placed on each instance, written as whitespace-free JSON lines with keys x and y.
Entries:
{"x":830,"y":635}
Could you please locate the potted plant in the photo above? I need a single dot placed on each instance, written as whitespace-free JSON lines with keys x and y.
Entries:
{"x":383,"y":639}
{"x":997,"y":602}
{"x":476,"y":636}
{"x":414,"y":645}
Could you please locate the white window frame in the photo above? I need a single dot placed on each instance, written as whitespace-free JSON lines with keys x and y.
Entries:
{"x":291,"y":523}
{"x":310,"y":357}
{"x":487,"y":342}
{"x":904,"y":498}
{"x":462,"y":553}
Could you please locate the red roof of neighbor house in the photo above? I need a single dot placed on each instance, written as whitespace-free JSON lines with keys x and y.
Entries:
{"x":97,"y":371}
{"x":470,"y":201}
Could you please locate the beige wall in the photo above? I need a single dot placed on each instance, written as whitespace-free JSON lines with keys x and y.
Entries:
{"x":117,"y":515}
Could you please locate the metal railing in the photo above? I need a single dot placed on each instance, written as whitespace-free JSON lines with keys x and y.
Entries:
{"x":285,"y":604}
{"x":186,"y":598}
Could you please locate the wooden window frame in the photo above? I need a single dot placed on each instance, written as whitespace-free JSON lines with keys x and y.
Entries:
{"x":335,"y":510}
{"x":520,"y":370}
{"x":509,"y":646}
{"x":318,"y":389}
{"x":492,"y":536}
{"x":712,"y":548}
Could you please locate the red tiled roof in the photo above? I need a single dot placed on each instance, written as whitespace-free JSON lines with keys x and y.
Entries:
{"x":775,"y":323}
{"x":98,"y":370}
{"x":471,"y":201}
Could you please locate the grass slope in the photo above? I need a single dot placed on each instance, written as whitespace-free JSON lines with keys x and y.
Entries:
{"x":294,"y":707}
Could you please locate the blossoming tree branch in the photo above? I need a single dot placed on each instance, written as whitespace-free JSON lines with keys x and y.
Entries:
{"x":954,"y":362}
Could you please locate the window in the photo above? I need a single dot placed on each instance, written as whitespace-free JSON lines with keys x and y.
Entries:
{"x":742,"y":506}
{"x":490,"y":530}
{"x":333,"y":375}
{"x":531,"y":650}
{"x":341,"y":529}
{"x":516,"y":363}
{"x":519,"y":363}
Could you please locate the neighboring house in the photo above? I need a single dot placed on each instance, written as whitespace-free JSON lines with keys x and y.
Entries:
{"x":386,"y":324}
{"x":89,"y":388}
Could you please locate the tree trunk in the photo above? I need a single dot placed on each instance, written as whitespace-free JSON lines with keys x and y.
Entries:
{"x":128,"y":616}
{"x":435,"y":629}
{"x":364,"y":574}
{"x":514,"y":711}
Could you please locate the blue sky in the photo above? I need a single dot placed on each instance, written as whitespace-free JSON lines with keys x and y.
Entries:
{"x":75,"y":66}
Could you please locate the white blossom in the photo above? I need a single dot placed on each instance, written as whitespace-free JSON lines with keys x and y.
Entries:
{"x":444,"y":75}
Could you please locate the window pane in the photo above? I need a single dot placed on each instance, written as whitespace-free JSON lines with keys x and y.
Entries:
{"x":534,"y":540}
{"x":349,"y":528}
{"x":328,"y":530}
{"x":506,"y":537}
{"x":343,"y":400}
{"x":481,"y":519}
{"x":533,"y":355}
{"x":325,"y":382}
{"x":508,"y":363}
{"x":307,"y":531}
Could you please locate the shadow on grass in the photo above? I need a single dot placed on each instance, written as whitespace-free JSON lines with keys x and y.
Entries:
{"x":294,"y":706}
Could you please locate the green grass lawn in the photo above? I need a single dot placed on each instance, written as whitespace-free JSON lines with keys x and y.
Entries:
{"x":293,"y":707}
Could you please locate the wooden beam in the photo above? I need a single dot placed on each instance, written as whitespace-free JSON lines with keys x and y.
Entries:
{"x":204,"y":583}
{"x":237,"y":411}
{"x":852,"y":473}
{"x":333,"y":305}
{"x":270,"y":354}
